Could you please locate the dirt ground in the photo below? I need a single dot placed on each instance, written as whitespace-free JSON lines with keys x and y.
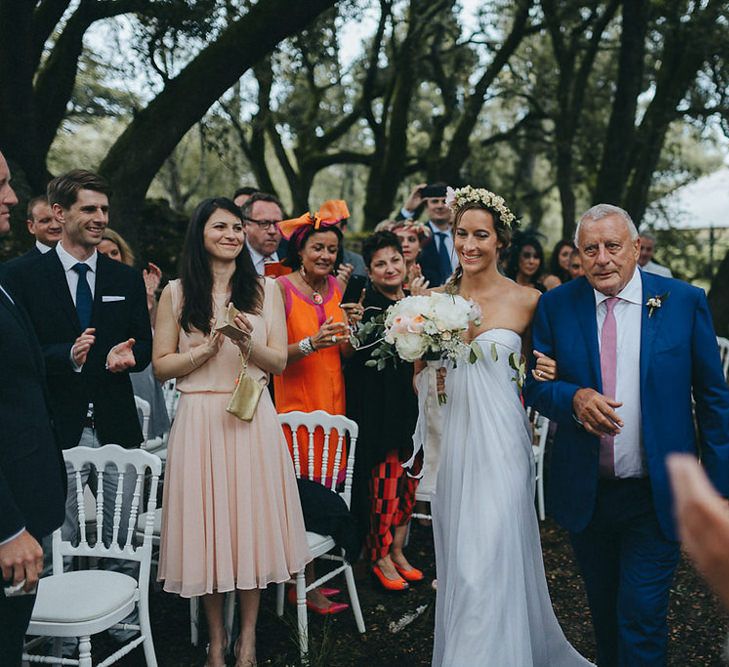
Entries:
{"x":698,"y":626}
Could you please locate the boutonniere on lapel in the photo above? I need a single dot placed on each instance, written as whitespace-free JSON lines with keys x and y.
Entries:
{"x":656,"y":302}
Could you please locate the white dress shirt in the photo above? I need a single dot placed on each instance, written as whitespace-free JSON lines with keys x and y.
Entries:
{"x":69,"y":261}
{"x":259,"y":260}
{"x":629,"y":458}
{"x":42,"y":247}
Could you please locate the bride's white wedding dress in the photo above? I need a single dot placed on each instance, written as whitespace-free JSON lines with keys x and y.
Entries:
{"x":493,"y":605}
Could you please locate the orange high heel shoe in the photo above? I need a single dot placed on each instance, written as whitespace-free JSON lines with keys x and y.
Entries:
{"x":389,"y":584}
{"x":412,"y":575}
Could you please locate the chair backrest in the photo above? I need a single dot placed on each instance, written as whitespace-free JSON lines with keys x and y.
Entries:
{"x":172,"y":397}
{"x":724,"y":353}
{"x":337,"y":426}
{"x":145,"y":410}
{"x":142,"y":463}
{"x":540,"y":430}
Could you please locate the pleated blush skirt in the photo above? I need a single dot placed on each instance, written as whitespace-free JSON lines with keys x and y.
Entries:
{"x":231,"y":514}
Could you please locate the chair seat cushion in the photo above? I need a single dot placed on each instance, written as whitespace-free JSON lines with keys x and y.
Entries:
{"x":77,"y":597}
{"x":142,"y":520}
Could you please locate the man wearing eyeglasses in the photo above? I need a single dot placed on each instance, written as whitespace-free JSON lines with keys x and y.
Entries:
{"x":261,"y":214}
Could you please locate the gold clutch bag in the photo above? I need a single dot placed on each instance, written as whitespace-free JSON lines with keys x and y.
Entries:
{"x":247,"y":393}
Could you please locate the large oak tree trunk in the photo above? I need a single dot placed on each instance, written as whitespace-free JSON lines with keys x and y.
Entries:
{"x":138,"y":154}
{"x":613,"y":174}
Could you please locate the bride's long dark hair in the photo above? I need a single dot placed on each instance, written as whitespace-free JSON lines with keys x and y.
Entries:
{"x":197,"y":278}
{"x":503,"y":234}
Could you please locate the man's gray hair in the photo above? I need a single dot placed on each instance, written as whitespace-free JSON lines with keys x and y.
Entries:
{"x":600,"y":211}
{"x":649,"y":235}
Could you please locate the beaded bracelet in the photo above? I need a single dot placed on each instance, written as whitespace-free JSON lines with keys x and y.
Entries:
{"x":306,"y":347}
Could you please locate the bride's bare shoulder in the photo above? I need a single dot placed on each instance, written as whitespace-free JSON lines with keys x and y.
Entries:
{"x":521,"y":296}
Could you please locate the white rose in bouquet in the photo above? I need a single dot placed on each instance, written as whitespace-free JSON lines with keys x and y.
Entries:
{"x":411,"y":346}
{"x":425,"y":327}
{"x":450,"y":313}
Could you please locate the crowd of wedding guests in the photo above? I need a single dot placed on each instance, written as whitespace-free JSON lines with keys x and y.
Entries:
{"x":82,"y":317}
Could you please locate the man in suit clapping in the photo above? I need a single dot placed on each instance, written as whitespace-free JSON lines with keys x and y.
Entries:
{"x":90,"y":315}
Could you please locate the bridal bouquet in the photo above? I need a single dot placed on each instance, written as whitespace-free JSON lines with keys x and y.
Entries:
{"x":423,"y":327}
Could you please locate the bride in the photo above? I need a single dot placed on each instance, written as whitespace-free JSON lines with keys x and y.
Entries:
{"x":492,"y":605}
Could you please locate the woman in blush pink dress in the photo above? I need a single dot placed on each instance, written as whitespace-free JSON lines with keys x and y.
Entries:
{"x":232,"y":518}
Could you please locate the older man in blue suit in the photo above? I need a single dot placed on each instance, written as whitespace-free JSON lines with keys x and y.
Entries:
{"x":631,"y":350}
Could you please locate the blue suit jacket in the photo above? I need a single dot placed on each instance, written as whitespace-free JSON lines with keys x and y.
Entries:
{"x":678,"y":355}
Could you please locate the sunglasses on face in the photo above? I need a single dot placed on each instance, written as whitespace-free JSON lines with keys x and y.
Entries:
{"x":265,"y":225}
{"x":529,"y":255}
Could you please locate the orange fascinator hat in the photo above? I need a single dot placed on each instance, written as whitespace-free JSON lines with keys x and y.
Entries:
{"x":330,"y":213}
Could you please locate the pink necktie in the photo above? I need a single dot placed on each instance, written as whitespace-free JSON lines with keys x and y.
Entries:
{"x":608,"y":367}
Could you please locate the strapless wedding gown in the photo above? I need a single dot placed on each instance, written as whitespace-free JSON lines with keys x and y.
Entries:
{"x":492,"y":604}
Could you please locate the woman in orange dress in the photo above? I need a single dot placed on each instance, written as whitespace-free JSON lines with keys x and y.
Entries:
{"x":316,"y":323}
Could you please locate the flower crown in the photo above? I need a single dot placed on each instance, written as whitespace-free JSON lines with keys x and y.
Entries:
{"x":456,"y":199}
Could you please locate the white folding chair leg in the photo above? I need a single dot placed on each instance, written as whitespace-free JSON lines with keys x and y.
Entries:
{"x":194,"y":621}
{"x":280,"y":595}
{"x":354,"y":598}
{"x":540,"y":495}
{"x":301,"y":613}
{"x":84,"y":652}
{"x":146,"y":628}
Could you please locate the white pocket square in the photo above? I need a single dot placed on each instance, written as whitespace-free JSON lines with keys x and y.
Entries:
{"x":107,"y":299}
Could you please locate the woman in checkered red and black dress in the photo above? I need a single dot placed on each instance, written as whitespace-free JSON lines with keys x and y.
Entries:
{"x":384,"y":405}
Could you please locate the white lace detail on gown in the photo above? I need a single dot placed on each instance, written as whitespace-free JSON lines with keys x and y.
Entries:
{"x":492,"y":605}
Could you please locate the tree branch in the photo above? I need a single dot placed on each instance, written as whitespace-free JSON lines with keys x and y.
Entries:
{"x":317,"y":162}
{"x":135,"y":157}
{"x":45,"y":19}
{"x":54,"y":84}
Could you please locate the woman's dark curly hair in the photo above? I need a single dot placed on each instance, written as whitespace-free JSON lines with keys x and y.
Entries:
{"x":378,"y":241}
{"x":246,"y":289}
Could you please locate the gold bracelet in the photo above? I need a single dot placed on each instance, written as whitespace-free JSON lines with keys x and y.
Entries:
{"x":192,"y":360}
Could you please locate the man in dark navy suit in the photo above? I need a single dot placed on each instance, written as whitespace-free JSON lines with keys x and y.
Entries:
{"x":90,"y":315}
{"x":32,"y":493}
